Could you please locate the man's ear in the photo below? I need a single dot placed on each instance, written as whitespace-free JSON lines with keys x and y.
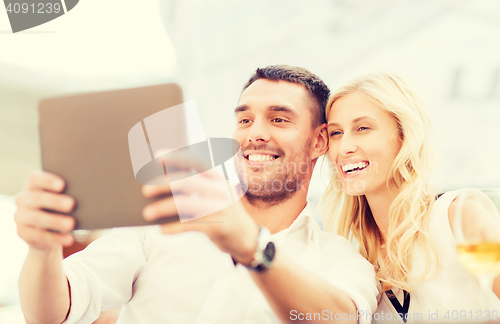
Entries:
{"x":320,"y":142}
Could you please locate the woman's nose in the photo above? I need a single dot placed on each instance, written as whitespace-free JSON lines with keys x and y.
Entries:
{"x":347,"y":145}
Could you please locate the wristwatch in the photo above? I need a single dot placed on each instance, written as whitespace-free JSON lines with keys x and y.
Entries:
{"x":263,"y":256}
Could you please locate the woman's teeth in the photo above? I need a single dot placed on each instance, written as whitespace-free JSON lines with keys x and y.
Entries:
{"x":353,"y":167}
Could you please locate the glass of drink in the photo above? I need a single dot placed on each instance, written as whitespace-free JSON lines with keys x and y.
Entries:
{"x":476,"y":227}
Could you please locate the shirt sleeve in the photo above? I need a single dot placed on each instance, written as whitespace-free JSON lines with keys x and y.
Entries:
{"x":348,"y":271}
{"x":102,"y":275}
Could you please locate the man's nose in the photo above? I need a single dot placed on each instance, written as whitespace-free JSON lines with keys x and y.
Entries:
{"x":259,"y":132}
{"x":347,"y":145}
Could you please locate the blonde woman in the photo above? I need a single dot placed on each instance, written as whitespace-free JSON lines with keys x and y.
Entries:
{"x":380,"y":197}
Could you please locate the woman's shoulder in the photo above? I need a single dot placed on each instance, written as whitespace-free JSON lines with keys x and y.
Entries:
{"x":475,"y":206}
{"x":446,"y":202}
{"x":474,"y":200}
{"x":476,"y":209}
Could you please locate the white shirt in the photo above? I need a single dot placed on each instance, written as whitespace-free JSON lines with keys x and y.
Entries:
{"x":454,"y":294}
{"x":185,"y":278}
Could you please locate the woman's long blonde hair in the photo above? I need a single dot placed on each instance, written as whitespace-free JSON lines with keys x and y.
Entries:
{"x":409,"y":214}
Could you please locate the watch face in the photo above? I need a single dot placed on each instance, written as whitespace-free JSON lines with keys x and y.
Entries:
{"x":269,"y":251}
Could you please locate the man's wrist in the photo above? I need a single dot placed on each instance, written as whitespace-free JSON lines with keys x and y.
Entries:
{"x":45,"y":253}
{"x":249,"y":246}
{"x":263,"y":255}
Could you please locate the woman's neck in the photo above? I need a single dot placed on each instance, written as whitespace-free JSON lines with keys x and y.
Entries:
{"x":380,"y":204}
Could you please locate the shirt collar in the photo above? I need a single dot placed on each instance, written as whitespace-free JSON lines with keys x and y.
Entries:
{"x":305,"y":221}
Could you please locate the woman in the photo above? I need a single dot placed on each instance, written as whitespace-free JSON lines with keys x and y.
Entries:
{"x":380,"y":197}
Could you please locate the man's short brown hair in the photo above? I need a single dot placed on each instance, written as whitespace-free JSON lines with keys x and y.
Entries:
{"x":317,"y":89}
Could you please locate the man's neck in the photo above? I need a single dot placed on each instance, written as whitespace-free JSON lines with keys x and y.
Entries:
{"x":277,"y":217}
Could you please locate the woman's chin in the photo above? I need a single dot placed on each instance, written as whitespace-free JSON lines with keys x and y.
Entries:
{"x":354,"y":188}
{"x":354,"y":194}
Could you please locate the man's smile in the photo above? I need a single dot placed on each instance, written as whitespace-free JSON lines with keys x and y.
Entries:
{"x":258,"y":158}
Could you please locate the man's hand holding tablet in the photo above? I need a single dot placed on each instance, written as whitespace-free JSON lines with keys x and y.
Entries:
{"x":41,"y":214}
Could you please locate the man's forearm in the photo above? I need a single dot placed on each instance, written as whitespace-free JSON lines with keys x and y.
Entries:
{"x":289,"y":288}
{"x":43,"y":287}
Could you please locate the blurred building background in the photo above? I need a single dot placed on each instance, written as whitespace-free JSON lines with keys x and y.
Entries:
{"x":449,"y":50}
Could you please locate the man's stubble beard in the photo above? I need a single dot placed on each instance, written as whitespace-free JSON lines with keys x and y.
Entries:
{"x":268,"y":192}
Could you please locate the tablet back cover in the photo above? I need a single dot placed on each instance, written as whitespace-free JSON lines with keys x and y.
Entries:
{"x":84,"y":139}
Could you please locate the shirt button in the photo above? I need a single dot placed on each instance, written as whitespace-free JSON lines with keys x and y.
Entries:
{"x":209,"y":318}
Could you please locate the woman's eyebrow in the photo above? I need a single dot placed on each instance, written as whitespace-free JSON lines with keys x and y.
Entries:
{"x":354,"y":120}
{"x":362,"y":118}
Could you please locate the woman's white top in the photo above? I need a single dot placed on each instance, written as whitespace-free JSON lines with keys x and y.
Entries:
{"x":454,"y":294}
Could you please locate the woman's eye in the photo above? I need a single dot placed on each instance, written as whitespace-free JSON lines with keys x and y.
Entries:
{"x":335,"y":133}
{"x":362,"y":128}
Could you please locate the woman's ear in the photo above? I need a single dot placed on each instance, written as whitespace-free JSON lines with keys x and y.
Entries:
{"x":320,"y":143}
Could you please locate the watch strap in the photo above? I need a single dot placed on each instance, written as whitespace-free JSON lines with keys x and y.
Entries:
{"x":260,"y":262}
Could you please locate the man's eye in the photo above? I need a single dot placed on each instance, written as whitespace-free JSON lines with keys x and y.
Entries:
{"x":279,"y":120}
{"x":244,"y":121}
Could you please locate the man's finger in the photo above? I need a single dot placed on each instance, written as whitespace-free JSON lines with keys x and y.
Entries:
{"x":46,"y":181}
{"x":44,"y":220}
{"x":160,"y":209}
{"x":184,"y":161}
{"x":41,"y":238}
{"x":38,"y":199}
{"x":202,"y":186}
{"x":190,"y":208}
{"x":200,"y":225}
{"x":214,"y":187}
{"x":174,"y":228}
{"x":150,"y":191}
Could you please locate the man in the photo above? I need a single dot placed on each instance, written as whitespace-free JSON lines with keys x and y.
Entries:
{"x":191,"y":277}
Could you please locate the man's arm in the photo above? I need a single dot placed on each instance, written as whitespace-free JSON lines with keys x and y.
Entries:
{"x":344,"y":288}
{"x":286,"y":286}
{"x":289,"y":288}
{"x":43,"y":287}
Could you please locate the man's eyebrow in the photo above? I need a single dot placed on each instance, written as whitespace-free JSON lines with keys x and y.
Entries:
{"x":283,"y":109}
{"x":270,"y":108}
{"x":240,"y":109}
{"x":354,"y":120}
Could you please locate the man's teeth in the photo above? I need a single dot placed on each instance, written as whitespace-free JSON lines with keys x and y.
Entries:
{"x":354,"y":166}
{"x":261,"y":157}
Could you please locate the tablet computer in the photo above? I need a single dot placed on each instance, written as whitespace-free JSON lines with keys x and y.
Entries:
{"x":84,"y":139}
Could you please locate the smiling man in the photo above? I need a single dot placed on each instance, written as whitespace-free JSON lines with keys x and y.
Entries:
{"x":276,"y":139}
{"x":288,"y":268}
